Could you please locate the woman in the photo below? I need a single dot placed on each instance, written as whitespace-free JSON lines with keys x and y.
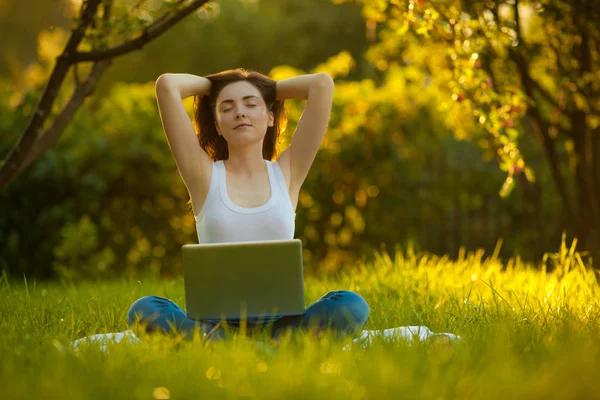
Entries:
{"x":239,"y":191}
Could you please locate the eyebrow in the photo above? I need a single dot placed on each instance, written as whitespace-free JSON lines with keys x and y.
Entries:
{"x":243,"y":98}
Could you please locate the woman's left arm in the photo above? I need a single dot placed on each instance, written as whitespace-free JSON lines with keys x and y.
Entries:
{"x":317,"y":89}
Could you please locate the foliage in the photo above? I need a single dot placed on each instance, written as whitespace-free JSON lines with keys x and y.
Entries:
{"x":222,"y":35}
{"x":109,"y":187}
{"x":527,"y":333}
{"x":388,"y":172}
{"x":72,"y":255}
{"x":516,"y":68}
{"x":401,"y":163}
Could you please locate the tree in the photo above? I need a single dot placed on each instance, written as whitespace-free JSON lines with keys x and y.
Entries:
{"x":520,"y":68}
{"x":90,"y":41}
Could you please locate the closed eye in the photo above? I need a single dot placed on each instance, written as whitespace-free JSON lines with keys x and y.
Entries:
{"x":229,"y":109}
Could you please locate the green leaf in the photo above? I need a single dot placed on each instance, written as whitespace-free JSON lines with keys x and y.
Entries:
{"x":507,"y":187}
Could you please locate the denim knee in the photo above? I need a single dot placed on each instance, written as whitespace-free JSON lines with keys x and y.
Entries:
{"x":359,"y":306}
{"x":142,"y":309}
{"x":344,"y":309}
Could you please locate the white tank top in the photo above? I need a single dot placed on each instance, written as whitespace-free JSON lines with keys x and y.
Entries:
{"x":220,"y":220}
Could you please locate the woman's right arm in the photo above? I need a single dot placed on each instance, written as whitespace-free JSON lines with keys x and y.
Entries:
{"x":194,"y":164}
{"x":187,"y":84}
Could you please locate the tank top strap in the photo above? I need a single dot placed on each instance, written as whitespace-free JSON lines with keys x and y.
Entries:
{"x":213,"y":189}
{"x":280,"y":178}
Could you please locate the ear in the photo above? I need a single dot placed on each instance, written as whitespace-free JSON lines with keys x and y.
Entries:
{"x":217,"y":128}
{"x":271,"y":119}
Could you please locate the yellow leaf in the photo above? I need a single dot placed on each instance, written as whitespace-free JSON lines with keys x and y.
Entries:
{"x":161,"y":393}
{"x":51,"y":44}
{"x":284,"y":71}
{"x":339,"y":65}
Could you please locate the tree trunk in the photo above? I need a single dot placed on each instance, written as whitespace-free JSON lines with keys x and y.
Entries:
{"x":33,"y":143}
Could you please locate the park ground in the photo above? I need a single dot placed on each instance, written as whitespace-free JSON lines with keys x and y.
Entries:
{"x":527,"y":332}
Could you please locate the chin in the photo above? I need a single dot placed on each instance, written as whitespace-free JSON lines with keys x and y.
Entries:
{"x":243,"y":140}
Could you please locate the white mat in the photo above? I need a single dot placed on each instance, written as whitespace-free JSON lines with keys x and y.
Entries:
{"x":408,"y":334}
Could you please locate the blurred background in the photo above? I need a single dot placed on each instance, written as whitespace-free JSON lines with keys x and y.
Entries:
{"x":456,"y":126}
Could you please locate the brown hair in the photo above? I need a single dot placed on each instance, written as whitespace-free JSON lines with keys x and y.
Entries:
{"x":204,"y":118}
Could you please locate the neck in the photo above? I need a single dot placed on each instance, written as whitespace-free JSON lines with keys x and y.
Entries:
{"x":247,"y":162}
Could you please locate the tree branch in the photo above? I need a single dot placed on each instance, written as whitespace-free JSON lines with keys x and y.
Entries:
{"x":518,"y":24}
{"x":19,"y":155}
{"x":596,"y":159}
{"x":51,"y":135}
{"x":12,"y":164}
{"x":584,"y":143}
{"x":547,"y":142}
{"x":149,"y":33}
{"x":545,"y":93}
{"x":564,"y":70}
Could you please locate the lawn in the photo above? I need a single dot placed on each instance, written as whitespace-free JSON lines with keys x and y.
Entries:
{"x":527,"y":333}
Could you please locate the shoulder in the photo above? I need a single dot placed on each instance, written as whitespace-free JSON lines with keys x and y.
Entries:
{"x":199,"y":190}
{"x":284,"y":164}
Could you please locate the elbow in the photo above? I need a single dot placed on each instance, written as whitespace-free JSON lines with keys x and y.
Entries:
{"x":322,"y":85}
{"x":161,"y":80}
{"x":324,"y":80}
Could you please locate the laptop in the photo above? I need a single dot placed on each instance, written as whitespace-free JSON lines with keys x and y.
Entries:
{"x":243,"y":280}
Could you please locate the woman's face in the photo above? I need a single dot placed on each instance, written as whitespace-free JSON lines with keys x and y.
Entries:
{"x":241,"y":115}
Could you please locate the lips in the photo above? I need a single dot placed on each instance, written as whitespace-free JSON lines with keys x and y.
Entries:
{"x":241,"y":125}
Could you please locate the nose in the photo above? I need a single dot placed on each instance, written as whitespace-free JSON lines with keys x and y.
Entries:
{"x":239,"y":115}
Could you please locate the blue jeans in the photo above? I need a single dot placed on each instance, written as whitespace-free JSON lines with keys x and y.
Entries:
{"x":341,"y":311}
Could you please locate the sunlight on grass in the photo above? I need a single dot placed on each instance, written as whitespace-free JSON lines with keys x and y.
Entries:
{"x":526,"y":333}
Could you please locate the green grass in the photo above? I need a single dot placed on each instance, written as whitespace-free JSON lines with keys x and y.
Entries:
{"x":526,"y":334}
